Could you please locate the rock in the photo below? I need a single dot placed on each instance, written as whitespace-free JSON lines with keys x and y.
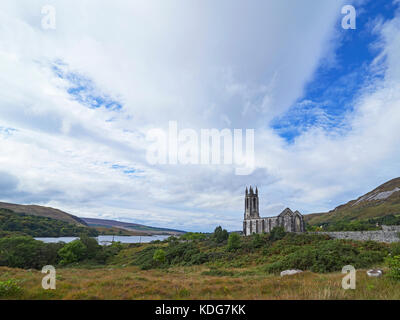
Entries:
{"x":290,"y":272}
{"x":374,"y":273}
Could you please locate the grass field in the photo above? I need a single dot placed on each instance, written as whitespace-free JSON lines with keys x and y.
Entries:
{"x":195,"y":282}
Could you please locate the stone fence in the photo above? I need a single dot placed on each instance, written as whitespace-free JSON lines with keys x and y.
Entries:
{"x":385,"y":235}
{"x":391,"y":228}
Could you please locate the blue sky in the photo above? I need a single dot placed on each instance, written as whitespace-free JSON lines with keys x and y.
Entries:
{"x":77,"y":101}
{"x":330,"y":95}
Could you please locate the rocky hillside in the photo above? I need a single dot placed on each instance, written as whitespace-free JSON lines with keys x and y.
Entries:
{"x":380,"y":202}
{"x":41,"y":211}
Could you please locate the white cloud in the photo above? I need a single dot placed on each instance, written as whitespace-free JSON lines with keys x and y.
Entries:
{"x":203,"y":64}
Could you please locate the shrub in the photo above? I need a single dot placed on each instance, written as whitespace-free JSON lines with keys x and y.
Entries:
{"x":369,"y":258}
{"x":193,"y":236}
{"x":320,"y":256}
{"x":277,"y":233}
{"x":394,"y":265}
{"x":144,"y":258}
{"x":257,"y":240}
{"x":26,"y":252}
{"x":9,"y":288}
{"x":92,"y":246}
{"x":72,"y":252}
{"x":218,"y":273}
{"x":395,"y":249}
{"x":159,"y":256}
{"x":233,"y":242}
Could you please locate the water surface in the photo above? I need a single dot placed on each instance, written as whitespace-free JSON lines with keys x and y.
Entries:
{"x":108,"y":239}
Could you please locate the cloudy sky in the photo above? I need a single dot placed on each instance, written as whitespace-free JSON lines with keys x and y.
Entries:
{"x":77,"y":101}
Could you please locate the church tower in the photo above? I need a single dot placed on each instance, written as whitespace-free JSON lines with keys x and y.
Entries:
{"x":251,"y":204}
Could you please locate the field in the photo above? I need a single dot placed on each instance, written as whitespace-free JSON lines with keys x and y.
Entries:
{"x":192,"y":283}
{"x":200,"y":266}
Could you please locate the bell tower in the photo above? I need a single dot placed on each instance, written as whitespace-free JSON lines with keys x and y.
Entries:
{"x":251,"y":204}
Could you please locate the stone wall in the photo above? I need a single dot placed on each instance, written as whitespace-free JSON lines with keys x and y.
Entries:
{"x":391,"y":228}
{"x":379,"y":236}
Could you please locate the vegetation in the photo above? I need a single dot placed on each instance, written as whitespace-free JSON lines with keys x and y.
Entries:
{"x":10,"y":288}
{"x":356,"y":225}
{"x":394,"y":265}
{"x":215,"y":266}
{"x":233,"y":242}
{"x":26,"y":252}
{"x":220,"y":235}
{"x":37,"y":226}
{"x":195,"y":282}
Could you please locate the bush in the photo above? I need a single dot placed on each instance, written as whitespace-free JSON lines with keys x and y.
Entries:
{"x":72,"y":252}
{"x":257,"y":240}
{"x":234,"y":242}
{"x":277,"y":233}
{"x":159,"y":256}
{"x":193,"y":236}
{"x":320,"y":256}
{"x":218,"y":273}
{"x":395,"y":249}
{"x":26,"y":252}
{"x":394,"y":265}
{"x":9,"y":288}
{"x":220,"y":235}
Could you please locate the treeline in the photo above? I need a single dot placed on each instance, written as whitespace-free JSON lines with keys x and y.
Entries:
{"x":37,"y":226}
{"x":26,"y":252}
{"x":357,"y":225}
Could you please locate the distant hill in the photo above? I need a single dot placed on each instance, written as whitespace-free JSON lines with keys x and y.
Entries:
{"x":13,"y":223}
{"x":380,"y":202}
{"x":137,"y":228}
{"x":43,"y":212}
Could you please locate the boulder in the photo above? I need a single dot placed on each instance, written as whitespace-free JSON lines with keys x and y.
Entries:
{"x":374,"y":273}
{"x":290,"y":272}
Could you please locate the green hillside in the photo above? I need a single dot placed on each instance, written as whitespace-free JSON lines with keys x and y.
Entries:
{"x":41,"y":211}
{"x":36,"y":226}
{"x":381,"y":202}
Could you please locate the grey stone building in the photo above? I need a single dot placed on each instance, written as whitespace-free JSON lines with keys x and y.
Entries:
{"x":253,"y":223}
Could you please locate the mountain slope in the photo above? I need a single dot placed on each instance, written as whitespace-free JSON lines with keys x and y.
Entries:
{"x":138,"y":228}
{"x":382,"y":201}
{"x":43,"y":212}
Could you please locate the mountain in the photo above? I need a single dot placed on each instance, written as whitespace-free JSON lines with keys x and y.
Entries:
{"x":380,"y":202}
{"x":139,"y":229}
{"x":101,"y":225}
{"x":48,"y":212}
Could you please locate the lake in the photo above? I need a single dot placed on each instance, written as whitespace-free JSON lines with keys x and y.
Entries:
{"x":104,"y":240}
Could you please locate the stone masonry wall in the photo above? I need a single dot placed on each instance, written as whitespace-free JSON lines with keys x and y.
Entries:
{"x":379,"y":236}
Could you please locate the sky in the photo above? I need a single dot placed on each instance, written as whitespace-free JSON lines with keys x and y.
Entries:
{"x":80,"y":92}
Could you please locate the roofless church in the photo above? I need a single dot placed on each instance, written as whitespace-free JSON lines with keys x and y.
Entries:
{"x":253,"y":223}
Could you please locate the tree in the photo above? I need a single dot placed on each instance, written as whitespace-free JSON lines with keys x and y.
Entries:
{"x":234,"y":242}
{"x":92,"y":246}
{"x":72,"y":252}
{"x":220,"y":235}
